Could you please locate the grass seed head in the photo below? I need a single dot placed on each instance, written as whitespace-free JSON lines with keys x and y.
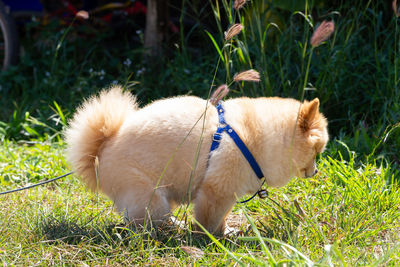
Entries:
{"x":234,"y":30}
{"x":82,"y":14}
{"x":322,"y":33}
{"x":248,"y":76}
{"x":219,"y":94}
{"x":395,"y":9}
{"x":239,"y":4}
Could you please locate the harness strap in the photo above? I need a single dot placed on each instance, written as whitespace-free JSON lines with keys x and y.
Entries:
{"x":224,"y":127}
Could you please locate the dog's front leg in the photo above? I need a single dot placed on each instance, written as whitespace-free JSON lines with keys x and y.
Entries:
{"x":211,"y":207}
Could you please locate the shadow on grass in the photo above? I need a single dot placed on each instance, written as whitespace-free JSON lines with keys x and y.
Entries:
{"x":100,"y":231}
{"x":53,"y":230}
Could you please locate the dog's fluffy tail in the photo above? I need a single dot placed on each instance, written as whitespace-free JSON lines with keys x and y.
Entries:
{"x":99,"y":118}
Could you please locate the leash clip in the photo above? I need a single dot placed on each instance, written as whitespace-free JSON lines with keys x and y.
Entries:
{"x":262,"y":194}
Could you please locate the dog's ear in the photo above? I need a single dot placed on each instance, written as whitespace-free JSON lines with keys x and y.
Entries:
{"x":308,"y":114}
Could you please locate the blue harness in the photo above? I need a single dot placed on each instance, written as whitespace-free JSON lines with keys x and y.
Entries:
{"x":225,"y":127}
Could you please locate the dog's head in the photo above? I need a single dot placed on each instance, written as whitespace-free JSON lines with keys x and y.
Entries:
{"x":310,"y":139}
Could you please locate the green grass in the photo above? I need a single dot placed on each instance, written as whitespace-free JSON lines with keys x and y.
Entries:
{"x":347,"y":215}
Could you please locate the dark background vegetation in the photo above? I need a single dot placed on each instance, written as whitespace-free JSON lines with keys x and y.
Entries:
{"x":354,"y":74}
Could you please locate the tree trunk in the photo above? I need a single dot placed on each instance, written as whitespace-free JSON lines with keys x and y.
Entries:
{"x":156,"y":31}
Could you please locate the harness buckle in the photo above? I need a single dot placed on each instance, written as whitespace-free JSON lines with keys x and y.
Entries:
{"x":222,"y":125}
{"x":217,"y":137}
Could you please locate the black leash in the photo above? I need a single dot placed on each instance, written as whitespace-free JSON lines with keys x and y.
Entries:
{"x":34,"y":185}
{"x":262,"y":193}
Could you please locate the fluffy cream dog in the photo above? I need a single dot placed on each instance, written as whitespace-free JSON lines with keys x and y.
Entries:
{"x":147,"y":157}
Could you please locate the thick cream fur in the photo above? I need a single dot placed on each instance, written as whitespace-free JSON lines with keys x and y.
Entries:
{"x":147,"y":156}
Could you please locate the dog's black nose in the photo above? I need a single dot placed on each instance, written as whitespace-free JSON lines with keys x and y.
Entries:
{"x":315,"y":172}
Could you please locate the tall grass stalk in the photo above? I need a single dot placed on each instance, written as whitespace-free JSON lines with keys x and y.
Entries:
{"x":396,"y":50}
{"x":197,"y":153}
{"x":168,"y":164}
{"x":60,"y":43}
{"x":262,"y":35}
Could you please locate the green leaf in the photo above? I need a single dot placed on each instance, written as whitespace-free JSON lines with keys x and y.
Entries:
{"x":216,"y":46}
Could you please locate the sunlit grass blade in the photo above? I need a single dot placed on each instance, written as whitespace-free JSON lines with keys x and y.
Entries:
{"x":60,"y":113}
{"x":282,"y":244}
{"x":219,"y":244}
{"x":272,"y":261}
{"x":216,"y":46}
